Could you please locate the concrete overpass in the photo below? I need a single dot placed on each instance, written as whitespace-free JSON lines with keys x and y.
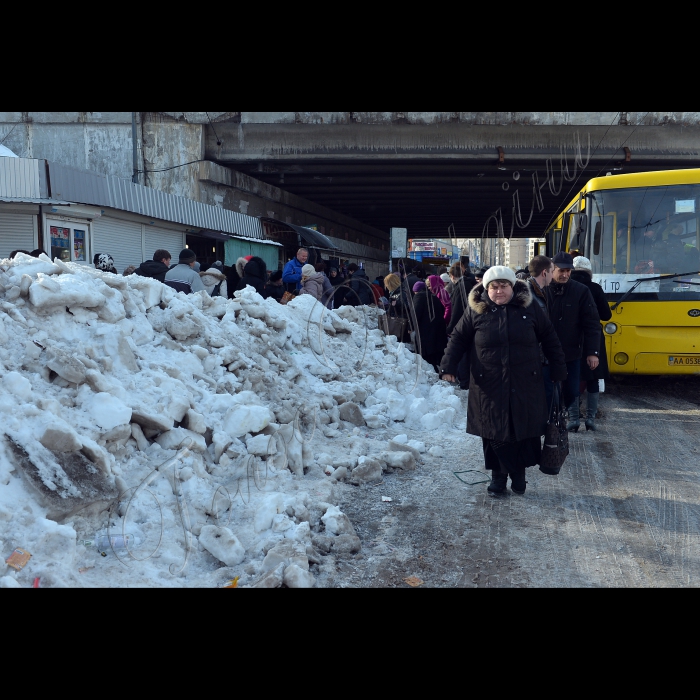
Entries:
{"x":357,"y":174}
{"x":427,"y":170}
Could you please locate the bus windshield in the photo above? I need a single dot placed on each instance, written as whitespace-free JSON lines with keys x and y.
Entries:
{"x":645,"y":233}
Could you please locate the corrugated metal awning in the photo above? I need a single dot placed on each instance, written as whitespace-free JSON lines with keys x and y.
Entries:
{"x":218,"y":236}
{"x":89,"y":187}
{"x":34,"y":200}
{"x":313,"y":238}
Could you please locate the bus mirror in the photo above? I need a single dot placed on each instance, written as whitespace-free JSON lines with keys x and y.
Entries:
{"x":596,"y":239}
{"x":582,"y":224}
{"x":582,"y":231}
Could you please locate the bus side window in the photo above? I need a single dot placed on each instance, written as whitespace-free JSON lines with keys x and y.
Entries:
{"x":596,"y":239}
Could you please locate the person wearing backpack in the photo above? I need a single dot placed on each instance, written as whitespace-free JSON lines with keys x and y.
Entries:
{"x":214,"y":280}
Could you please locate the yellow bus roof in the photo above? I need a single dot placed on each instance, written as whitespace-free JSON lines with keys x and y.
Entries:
{"x":683,"y":176}
{"x":655,"y":178}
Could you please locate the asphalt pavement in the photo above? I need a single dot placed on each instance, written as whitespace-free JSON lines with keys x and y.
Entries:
{"x":624,"y":512}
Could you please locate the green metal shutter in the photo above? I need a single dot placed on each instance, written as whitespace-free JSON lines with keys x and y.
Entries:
{"x":235,"y":249}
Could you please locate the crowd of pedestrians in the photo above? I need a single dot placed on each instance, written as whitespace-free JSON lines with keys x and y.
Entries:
{"x":508,"y":337}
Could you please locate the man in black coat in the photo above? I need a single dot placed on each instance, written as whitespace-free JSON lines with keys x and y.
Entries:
{"x":363,"y":292}
{"x":408,"y":276}
{"x":157,"y":267}
{"x":583,"y":273}
{"x":575,"y":319}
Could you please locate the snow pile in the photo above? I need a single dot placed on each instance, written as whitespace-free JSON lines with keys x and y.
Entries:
{"x":211,"y":431}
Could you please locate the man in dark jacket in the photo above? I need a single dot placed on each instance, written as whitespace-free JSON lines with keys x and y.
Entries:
{"x":157,"y":267}
{"x":583,"y":273}
{"x":541,"y":269}
{"x":575,"y":319}
{"x":408,"y":276}
{"x":255,"y":274}
{"x":358,"y":283}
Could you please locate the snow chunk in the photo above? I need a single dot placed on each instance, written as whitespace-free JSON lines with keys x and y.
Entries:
{"x":107,"y":411}
{"x":223,"y":544}
{"x":240,"y":420}
{"x":18,"y":385}
{"x":72,"y":290}
{"x":296,"y":577}
{"x":179,"y":437}
{"x":336,"y":522}
{"x":261,"y":445}
{"x":441,"y":419}
{"x":417,"y":445}
{"x":8,"y":581}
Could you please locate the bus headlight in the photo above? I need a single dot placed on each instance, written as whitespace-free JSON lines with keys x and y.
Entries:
{"x":622,"y":358}
{"x":610,"y":328}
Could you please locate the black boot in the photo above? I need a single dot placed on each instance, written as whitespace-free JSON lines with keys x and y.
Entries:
{"x":591,"y":410}
{"x":574,"y":422}
{"x":498,"y":483}
{"x":517,"y":482}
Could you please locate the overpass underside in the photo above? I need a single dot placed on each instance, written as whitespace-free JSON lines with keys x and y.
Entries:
{"x":431,"y":177}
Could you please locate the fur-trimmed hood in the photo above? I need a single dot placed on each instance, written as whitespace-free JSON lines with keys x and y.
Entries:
{"x":212,"y":276}
{"x":240,"y":265}
{"x":522,"y":296}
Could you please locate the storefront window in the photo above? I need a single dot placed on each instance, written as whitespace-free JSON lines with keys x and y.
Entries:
{"x":68,"y":243}
{"x":60,"y":242}
{"x":78,"y":245}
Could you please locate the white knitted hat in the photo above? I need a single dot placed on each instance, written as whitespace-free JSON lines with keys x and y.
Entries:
{"x":307,"y":270}
{"x":581,"y":263}
{"x":498,"y":272}
{"x":445,"y":277}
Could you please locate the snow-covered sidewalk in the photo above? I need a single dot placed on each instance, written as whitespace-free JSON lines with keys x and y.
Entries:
{"x":211,"y":431}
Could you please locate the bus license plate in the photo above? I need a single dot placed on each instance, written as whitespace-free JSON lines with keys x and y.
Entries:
{"x":677,"y":360}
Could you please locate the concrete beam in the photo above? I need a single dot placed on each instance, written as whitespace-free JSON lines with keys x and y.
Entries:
{"x":243,"y":143}
{"x":281,"y":199}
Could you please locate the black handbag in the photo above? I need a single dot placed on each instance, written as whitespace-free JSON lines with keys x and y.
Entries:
{"x":397,"y":327}
{"x":556,"y":436}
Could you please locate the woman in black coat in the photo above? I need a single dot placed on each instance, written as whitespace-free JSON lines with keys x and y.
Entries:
{"x":582,"y":273}
{"x":431,"y":336}
{"x":255,"y":274}
{"x":501,"y":330}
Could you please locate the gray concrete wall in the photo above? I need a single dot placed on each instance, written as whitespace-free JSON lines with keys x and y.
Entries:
{"x":102,"y":141}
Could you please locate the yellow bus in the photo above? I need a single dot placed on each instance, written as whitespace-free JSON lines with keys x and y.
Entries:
{"x":641,"y":232}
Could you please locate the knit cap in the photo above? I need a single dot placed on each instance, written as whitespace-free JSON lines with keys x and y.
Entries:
{"x":581,"y":263}
{"x":498,"y":272}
